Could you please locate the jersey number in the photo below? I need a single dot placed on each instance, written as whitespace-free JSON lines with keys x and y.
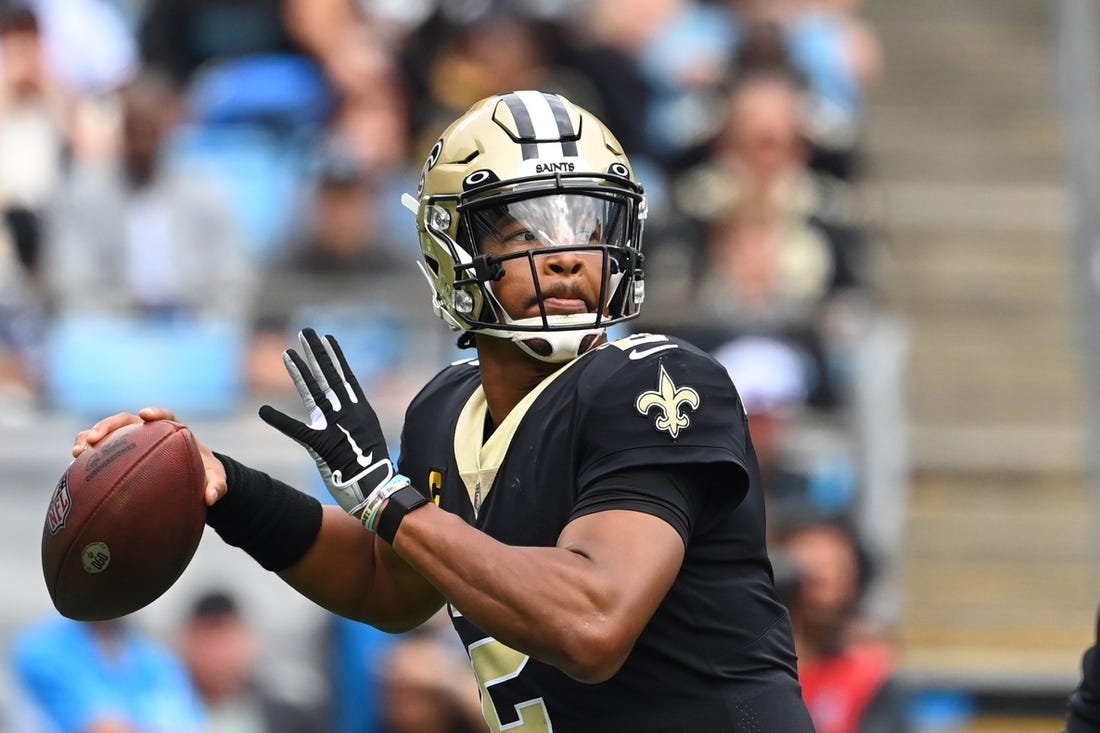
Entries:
{"x":495,"y":665}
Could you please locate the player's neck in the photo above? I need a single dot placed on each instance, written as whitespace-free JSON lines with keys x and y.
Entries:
{"x":508,"y":374}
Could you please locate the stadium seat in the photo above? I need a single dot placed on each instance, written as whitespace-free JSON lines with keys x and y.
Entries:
{"x":101,"y":364}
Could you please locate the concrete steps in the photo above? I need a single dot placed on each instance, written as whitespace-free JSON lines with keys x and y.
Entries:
{"x":999,"y":565}
{"x":982,"y":605}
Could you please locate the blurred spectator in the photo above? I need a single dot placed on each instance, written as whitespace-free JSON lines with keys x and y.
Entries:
{"x":132,"y":236}
{"x":762,"y":49}
{"x":343,"y":230}
{"x":761,"y":145}
{"x":595,"y":65}
{"x":429,"y":688}
{"x":848,"y":672}
{"x":100,"y":677}
{"x":89,"y":45}
{"x":468,"y":51}
{"x":220,"y":651}
{"x":748,"y":270}
{"x":687,"y":52}
{"x":345,"y":275}
{"x":265,"y":80}
{"x":339,"y":35}
{"x":376,"y":132}
{"x":291,"y":63}
{"x":764,"y":270}
{"x":145,"y":268}
{"x":682,"y":52}
{"x":377,"y":127}
{"x":418,"y":682}
{"x":180,"y":37}
{"x":32,"y":113}
{"x":774,"y":380}
{"x":761,"y":152}
{"x":781,"y":379}
{"x":340,"y":268}
{"x":838,"y":56}
{"x":355,"y":653}
{"x":764,"y":243}
{"x":22,"y":317}
{"x":759,"y":161}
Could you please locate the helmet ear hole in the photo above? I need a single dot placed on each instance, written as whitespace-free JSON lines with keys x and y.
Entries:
{"x":482,"y":177}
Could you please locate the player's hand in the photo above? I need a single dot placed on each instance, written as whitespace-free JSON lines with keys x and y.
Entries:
{"x":216,"y":486}
{"x":343,"y":434}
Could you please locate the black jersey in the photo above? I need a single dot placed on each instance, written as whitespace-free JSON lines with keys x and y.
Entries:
{"x":718,"y":653}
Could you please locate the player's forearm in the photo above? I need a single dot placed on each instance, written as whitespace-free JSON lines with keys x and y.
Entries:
{"x":548,"y":602}
{"x":321,"y":551}
{"x":352,"y":573}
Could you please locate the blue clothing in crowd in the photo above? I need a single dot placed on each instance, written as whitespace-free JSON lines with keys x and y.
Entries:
{"x":70,"y":682}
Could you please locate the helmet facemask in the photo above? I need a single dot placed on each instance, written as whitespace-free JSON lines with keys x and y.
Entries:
{"x":574,"y":251}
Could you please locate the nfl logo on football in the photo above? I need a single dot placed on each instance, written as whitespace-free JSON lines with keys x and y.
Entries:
{"x":60,"y":504}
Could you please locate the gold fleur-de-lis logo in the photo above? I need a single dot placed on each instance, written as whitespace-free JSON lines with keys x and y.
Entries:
{"x":668,"y":399}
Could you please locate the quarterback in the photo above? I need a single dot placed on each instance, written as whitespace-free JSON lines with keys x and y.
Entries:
{"x":588,"y":511}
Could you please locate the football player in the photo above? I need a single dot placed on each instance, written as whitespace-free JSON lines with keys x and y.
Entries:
{"x":1083,"y":715}
{"x":590,"y":512}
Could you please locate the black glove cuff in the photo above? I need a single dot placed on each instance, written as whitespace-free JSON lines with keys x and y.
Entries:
{"x":400,"y":503}
{"x":274,"y":523}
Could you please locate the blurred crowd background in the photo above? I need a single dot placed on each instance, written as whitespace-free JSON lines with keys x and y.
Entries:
{"x":858,"y":208}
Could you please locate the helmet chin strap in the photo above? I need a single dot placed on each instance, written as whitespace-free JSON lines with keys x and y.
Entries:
{"x":564,"y":340}
{"x":564,"y":345}
{"x":553,"y":347}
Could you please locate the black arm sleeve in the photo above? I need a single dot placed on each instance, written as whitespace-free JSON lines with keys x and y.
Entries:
{"x":273,"y":522}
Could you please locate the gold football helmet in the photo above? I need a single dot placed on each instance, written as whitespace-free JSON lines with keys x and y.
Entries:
{"x":534,"y":162}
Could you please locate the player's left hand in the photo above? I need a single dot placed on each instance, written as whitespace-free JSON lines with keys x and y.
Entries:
{"x":343,"y":434}
{"x":216,"y":486}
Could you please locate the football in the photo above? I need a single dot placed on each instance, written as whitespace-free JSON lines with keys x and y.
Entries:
{"x":124,"y":521}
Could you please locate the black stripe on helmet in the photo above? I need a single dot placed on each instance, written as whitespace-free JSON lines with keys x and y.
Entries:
{"x":524,"y":127}
{"x":565,"y":126}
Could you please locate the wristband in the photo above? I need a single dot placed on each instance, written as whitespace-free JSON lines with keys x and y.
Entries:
{"x":402,"y":501}
{"x":273,"y":522}
{"x":367,"y":512}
